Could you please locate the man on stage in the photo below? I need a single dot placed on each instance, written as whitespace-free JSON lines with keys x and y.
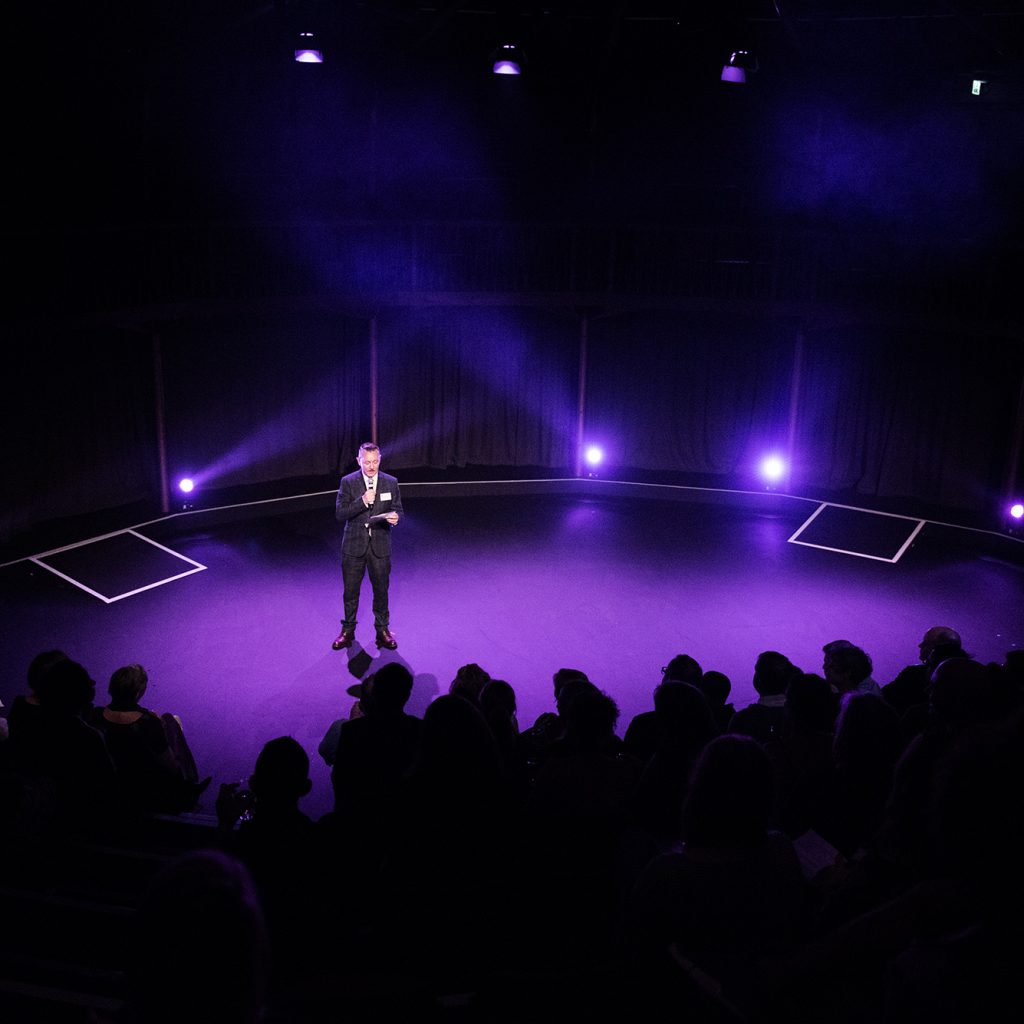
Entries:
{"x":369,"y":504}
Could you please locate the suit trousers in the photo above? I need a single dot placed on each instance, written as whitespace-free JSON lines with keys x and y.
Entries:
{"x":353,"y":568}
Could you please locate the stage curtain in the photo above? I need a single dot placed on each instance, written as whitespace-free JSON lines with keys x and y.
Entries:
{"x":919,"y":416}
{"x":478,"y":386}
{"x":77,"y":423}
{"x":690,"y":393}
{"x":255,"y":397}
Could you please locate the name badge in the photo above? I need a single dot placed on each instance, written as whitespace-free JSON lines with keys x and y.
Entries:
{"x":385,"y":496}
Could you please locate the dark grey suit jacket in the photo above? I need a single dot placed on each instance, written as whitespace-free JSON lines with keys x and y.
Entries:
{"x":350,"y":510}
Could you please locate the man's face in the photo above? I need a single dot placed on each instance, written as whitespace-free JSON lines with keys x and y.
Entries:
{"x":370,"y":463}
{"x":828,"y":667}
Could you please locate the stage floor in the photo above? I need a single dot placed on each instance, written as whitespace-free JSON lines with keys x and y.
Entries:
{"x":238,"y":641}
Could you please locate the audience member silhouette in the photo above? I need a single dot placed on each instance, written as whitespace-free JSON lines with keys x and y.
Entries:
{"x":536,"y":742}
{"x":716,"y":687}
{"x":801,"y":754}
{"x":469,"y":682}
{"x":762,"y":720}
{"x":373,"y":755}
{"x":24,"y":710}
{"x":581,"y":826}
{"x":200,"y":949}
{"x":641,"y":735}
{"x":868,"y":743}
{"x":25,"y":706}
{"x":155,"y":768}
{"x":1013,"y":670}
{"x":685,"y":725}
{"x":943,"y":948}
{"x":498,"y":704}
{"x":457,"y":817}
{"x":968,"y":970}
{"x":66,"y":778}
{"x":848,"y":668}
{"x":963,"y":695}
{"x":910,"y":687}
{"x":733,"y":891}
{"x":281,"y":846}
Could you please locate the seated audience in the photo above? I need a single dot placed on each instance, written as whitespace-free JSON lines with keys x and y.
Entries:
{"x":536,"y":742}
{"x":66,"y":779}
{"x":580,"y":833}
{"x":801,"y":755}
{"x":455,"y":819}
{"x":732,"y":892}
{"x":963,"y":695}
{"x":963,"y":967}
{"x":155,"y":768}
{"x":662,"y":865}
{"x":868,"y":743}
{"x":685,"y":725}
{"x":199,"y":948}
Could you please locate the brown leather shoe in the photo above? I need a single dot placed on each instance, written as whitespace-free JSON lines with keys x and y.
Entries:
{"x":385,"y":639}
{"x":343,"y":639}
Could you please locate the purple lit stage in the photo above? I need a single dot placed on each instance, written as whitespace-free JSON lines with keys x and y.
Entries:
{"x":521,"y":578}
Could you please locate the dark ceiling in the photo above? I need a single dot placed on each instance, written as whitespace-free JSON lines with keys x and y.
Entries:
{"x":188,"y":108}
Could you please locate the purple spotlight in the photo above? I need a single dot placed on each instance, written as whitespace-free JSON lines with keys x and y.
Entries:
{"x":593,"y":455}
{"x":508,"y":60}
{"x":1017,"y":510}
{"x":186,"y":485}
{"x":306,"y":51}
{"x":740,"y":64}
{"x":773,"y":468}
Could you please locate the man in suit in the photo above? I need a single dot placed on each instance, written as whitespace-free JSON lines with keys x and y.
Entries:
{"x":370,"y":505}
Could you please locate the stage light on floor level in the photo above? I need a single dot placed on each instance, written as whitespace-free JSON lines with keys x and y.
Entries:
{"x":1017,"y":511}
{"x":773,"y":468}
{"x":593,"y":455}
{"x":186,"y":485}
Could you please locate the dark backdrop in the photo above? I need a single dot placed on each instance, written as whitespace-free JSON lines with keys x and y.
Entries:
{"x":206,"y":235}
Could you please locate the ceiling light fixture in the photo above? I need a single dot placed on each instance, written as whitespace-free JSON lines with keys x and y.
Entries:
{"x":740,"y":64}
{"x":508,"y":59}
{"x":306,"y":51}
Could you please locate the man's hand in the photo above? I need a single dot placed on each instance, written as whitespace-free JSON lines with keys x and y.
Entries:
{"x":368,"y":496}
{"x":392,"y":518}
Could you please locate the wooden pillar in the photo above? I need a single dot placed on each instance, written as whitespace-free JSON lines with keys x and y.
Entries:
{"x":161,"y":423}
{"x":581,"y":400}
{"x":1016,"y":441}
{"x":794,"y":406}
